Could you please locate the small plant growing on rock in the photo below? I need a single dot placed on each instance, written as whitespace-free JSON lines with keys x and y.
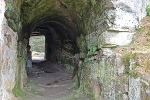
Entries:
{"x":119,"y":95}
{"x":126,"y":61}
{"x":92,"y":50}
{"x":86,"y":59}
{"x":127,"y":70}
{"x":141,"y":29}
{"x":148,"y":10}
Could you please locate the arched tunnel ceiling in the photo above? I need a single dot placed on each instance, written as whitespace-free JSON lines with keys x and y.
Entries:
{"x":64,"y":19}
{"x":60,"y":28}
{"x":38,"y":10}
{"x":69,"y":15}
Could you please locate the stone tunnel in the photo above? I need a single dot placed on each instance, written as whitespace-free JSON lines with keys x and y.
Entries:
{"x":96,"y":30}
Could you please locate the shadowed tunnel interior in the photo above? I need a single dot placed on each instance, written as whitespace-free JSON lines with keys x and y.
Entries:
{"x":60,"y":42}
{"x":64,"y":24}
{"x":58,"y":38}
{"x":61,"y":63}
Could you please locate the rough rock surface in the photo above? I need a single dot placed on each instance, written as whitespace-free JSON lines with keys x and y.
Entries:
{"x":107,"y":67}
{"x":8,"y":57}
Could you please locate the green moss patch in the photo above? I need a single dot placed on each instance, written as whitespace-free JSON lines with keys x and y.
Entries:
{"x":127,"y":57}
{"x":17,"y":91}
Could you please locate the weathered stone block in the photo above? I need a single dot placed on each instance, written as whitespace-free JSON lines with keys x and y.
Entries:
{"x":127,"y":14}
{"x":116,"y":37}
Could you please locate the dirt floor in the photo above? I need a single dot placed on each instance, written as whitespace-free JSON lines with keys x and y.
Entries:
{"x":49,"y":81}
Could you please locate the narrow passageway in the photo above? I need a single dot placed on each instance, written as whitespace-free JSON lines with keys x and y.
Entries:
{"x":49,"y":81}
{"x":52,"y":72}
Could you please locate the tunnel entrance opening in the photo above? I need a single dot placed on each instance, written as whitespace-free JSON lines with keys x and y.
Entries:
{"x":55,"y":74}
{"x":37,"y":44}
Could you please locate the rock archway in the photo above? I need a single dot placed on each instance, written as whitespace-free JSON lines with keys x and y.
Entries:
{"x":92,"y":28}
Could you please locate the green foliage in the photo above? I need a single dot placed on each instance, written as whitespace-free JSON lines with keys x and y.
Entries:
{"x":119,"y":96}
{"x":132,"y":56}
{"x":127,"y":57}
{"x":148,"y":10}
{"x":141,"y":29}
{"x":92,"y":48}
{"x":9,"y":6}
{"x":37,"y":43}
{"x":17,"y":91}
{"x":86,"y":60}
{"x":127,"y":70}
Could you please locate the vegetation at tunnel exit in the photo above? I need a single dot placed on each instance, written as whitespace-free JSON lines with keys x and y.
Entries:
{"x":37,"y":43}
